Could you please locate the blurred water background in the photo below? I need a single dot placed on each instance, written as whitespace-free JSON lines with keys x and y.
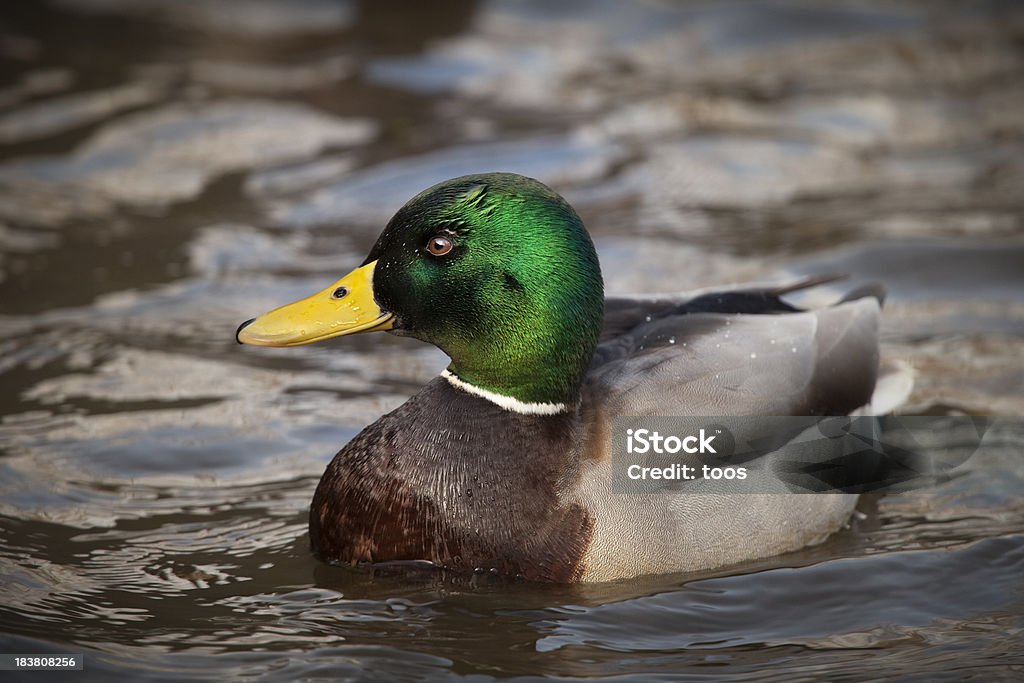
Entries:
{"x":170,"y":168}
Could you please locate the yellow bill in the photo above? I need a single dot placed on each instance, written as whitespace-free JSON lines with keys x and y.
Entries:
{"x":346,"y":307}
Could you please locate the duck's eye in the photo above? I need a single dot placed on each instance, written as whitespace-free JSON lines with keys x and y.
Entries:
{"x":439,"y":245}
{"x":340,"y":293}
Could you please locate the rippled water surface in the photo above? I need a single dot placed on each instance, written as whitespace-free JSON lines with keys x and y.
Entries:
{"x":170,"y":168}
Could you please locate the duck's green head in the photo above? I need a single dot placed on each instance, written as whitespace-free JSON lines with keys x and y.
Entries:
{"x":494,"y":269}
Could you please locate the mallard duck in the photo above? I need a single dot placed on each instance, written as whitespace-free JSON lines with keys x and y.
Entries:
{"x":502,"y":463}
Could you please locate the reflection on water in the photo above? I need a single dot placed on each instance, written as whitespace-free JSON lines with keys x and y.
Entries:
{"x":170,"y":168}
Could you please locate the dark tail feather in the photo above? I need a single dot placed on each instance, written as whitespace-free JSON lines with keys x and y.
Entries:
{"x":871,"y":289}
{"x":807,"y":283}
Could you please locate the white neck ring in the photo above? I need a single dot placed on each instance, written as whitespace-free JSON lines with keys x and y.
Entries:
{"x":506,"y":402}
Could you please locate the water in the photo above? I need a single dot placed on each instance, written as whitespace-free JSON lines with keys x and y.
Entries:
{"x":172,"y":168}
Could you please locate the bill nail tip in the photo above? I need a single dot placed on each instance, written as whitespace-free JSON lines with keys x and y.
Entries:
{"x":242,"y":327}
